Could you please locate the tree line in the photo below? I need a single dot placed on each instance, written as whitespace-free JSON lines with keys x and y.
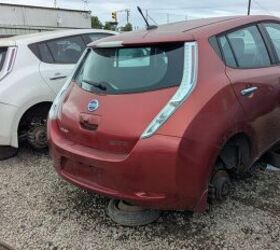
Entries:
{"x":97,"y":24}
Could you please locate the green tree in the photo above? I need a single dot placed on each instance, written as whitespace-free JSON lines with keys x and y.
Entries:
{"x":95,"y":23}
{"x":109,"y":26}
{"x":127,"y":27}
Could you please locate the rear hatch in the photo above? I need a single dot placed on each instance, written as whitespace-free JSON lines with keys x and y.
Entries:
{"x":117,"y":92}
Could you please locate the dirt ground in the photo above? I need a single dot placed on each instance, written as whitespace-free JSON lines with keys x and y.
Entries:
{"x":38,"y":210}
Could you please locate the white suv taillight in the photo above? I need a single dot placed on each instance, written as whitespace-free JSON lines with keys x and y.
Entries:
{"x":184,"y":90}
{"x":9,"y":62}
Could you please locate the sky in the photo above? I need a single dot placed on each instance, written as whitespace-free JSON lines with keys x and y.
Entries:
{"x":162,"y":11}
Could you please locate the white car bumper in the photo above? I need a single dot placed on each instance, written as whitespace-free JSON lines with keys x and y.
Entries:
{"x":8,"y":132}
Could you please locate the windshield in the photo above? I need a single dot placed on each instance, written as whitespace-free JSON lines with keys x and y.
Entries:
{"x":2,"y":57}
{"x":127,"y":70}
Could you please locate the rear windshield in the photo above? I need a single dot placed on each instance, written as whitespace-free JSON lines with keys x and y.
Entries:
{"x":3,"y":52}
{"x":127,"y":70}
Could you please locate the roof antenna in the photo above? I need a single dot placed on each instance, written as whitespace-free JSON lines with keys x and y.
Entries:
{"x":149,"y":27}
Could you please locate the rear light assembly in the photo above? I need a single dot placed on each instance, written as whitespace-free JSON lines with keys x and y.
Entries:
{"x":9,"y":62}
{"x":183,"y":92}
{"x":57,"y":103}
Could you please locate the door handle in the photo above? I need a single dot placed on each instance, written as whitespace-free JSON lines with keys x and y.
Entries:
{"x":248,"y":91}
{"x":57,"y":77}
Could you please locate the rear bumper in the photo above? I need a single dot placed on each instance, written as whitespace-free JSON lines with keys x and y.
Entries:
{"x":7,"y":114}
{"x":147,"y":176}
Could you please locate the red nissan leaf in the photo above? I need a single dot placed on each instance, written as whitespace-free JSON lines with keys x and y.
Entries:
{"x":162,"y":118}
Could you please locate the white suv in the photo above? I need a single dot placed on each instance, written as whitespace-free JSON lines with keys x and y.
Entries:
{"x":33,"y":68}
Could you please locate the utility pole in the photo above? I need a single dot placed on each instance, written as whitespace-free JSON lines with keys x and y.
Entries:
{"x":127,"y":16}
{"x":55,"y":3}
{"x":167,"y":17}
{"x":85,"y":4}
{"x":115,"y":15}
{"x":249,"y":7}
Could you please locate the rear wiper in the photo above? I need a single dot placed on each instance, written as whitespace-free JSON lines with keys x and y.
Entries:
{"x":98,"y":85}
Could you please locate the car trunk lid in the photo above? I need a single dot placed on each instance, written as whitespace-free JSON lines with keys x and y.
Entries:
{"x":118,"y":122}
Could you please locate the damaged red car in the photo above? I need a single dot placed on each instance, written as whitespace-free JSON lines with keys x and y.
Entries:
{"x":162,"y":118}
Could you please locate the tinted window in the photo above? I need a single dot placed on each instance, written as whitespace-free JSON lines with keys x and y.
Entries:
{"x":95,"y":36}
{"x":139,"y":57}
{"x":227,"y":52}
{"x":3,"y":52}
{"x":66,"y":50}
{"x":214,"y":43}
{"x":249,"y":48}
{"x":44,"y":52}
{"x":273,"y":31}
{"x":126,"y":70}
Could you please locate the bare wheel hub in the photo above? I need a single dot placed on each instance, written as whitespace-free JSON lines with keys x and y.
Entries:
{"x":221,"y":184}
{"x":37,"y":136}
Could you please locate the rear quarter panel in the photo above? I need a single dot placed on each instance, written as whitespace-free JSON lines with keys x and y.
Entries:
{"x":207,"y":119}
{"x":23,"y":88}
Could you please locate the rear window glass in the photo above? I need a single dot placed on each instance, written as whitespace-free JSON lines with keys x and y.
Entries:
{"x":66,"y":50}
{"x":273,"y":30}
{"x":227,"y":52}
{"x":45,"y":53}
{"x":3,"y":52}
{"x":95,"y":36}
{"x":126,"y":70}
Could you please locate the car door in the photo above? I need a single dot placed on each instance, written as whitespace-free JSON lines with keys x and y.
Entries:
{"x":59,"y":57}
{"x":256,"y":82}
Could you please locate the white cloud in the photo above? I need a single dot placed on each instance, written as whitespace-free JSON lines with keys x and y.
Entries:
{"x":163,"y":10}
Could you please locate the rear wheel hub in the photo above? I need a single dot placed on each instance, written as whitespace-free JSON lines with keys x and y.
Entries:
{"x":37,"y":137}
{"x":221,"y":185}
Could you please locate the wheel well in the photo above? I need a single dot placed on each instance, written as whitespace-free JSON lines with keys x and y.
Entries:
{"x":40,"y":109}
{"x":236,"y":152}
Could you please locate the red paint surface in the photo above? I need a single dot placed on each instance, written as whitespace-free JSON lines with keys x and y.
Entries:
{"x":170,"y":170}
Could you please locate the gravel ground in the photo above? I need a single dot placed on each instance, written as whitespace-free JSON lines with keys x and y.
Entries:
{"x":38,"y":210}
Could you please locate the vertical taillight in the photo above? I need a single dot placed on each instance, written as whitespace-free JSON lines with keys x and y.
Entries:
{"x":9,"y":62}
{"x":184,"y":90}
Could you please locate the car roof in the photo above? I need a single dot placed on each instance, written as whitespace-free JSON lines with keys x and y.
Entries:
{"x":183,"y":31}
{"x":47,"y":35}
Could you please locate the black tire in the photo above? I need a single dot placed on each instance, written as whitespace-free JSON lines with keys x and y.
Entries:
{"x":273,"y":157}
{"x":4,"y":246}
{"x":7,"y":152}
{"x":128,"y":215}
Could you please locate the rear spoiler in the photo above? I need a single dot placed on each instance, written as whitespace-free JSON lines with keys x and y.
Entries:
{"x":5,"y":42}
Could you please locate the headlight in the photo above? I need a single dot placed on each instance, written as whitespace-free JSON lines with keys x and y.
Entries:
{"x":184,"y":90}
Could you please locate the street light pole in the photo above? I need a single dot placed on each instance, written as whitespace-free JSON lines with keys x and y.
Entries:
{"x":249,"y":7}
